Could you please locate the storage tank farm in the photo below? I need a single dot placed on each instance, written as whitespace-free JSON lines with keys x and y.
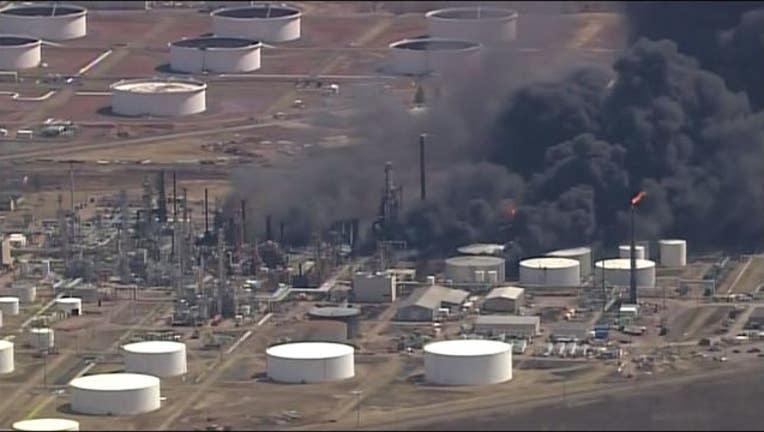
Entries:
{"x":468,"y":362}
{"x":550,"y":272}
{"x":46,"y":425}
{"x":263,"y":22}
{"x":215,"y":54}
{"x":50,"y":22}
{"x":158,"y":358}
{"x":310,"y":362}
{"x":114,"y":394}
{"x":19,"y":52}
{"x":158,"y":97}
{"x":423,"y":56}
{"x":486,"y":25}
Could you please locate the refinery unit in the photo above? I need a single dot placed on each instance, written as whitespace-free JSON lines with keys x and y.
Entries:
{"x":128,"y":305}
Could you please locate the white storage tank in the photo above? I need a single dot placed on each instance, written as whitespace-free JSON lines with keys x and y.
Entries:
{"x":159,"y":97}
{"x":9,"y":306}
{"x":265,"y":22}
{"x":472,"y":269}
{"x":423,"y":56}
{"x":673,"y":252}
{"x":581,"y":254}
{"x":468,"y":362}
{"x":487,"y":25}
{"x":624,"y":251}
{"x":158,"y":358}
{"x":26,"y":291}
{"x":42,"y":338}
{"x":481,"y":249}
{"x":114,"y":394}
{"x":6,"y":357}
{"x":310,"y":362}
{"x":550,"y":271}
{"x":618,"y":272}
{"x":215,"y":54}
{"x":19,"y":52}
{"x":1,"y":319}
{"x":55,"y":22}
{"x":69,"y":305}
{"x":46,"y":425}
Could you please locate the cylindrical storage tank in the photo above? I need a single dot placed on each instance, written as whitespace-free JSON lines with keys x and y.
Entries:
{"x":618,"y":272}
{"x":9,"y":306}
{"x":468,"y":362}
{"x":673,"y":252}
{"x":550,"y":271}
{"x":581,"y":254}
{"x":46,"y":425}
{"x":215,"y":54}
{"x":114,"y":394}
{"x":310,"y":362}
{"x":158,"y":358}
{"x":487,"y":25}
{"x":268,"y":23}
{"x":6,"y":357}
{"x":158,"y":97}
{"x":347,"y":315}
{"x":624,"y":251}
{"x":54,"y":22}
{"x":462,"y":269}
{"x":42,"y":338}
{"x":493,"y":276}
{"x":19,"y":52}
{"x":69,"y":305}
{"x":325,"y":331}
{"x":427,"y":55}
{"x":1,"y":319}
{"x":25,"y":291}
{"x":481,"y":249}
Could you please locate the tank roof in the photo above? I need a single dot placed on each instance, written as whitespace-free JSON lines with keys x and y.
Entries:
{"x":549,"y":262}
{"x":257,"y":12}
{"x":467,"y":347}
{"x":43,"y":10}
{"x":4,"y":344}
{"x":474,"y":260}
{"x":434,"y":44}
{"x":45,"y":424}
{"x":114,"y":382}
{"x":215,"y":42}
{"x":17,"y":41}
{"x":476,"y":13}
{"x":334,"y":312}
{"x":41,"y":330}
{"x":9,"y":299}
{"x":69,"y":300}
{"x":154,"y":347}
{"x":309,"y":350}
{"x":481,"y":248}
{"x":625,"y":246}
{"x":158,"y":86}
{"x":624,"y":263}
{"x":570,"y":252}
{"x":672,"y":241}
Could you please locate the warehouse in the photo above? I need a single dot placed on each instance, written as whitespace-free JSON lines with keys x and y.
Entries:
{"x":510,"y":325}
{"x":504,"y":299}
{"x":424,"y":303}
{"x":373,"y":288}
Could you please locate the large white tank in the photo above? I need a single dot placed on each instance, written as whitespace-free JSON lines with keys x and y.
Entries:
{"x":215,"y":54}
{"x":310,"y":362}
{"x":41,"y":338}
{"x":46,"y":425}
{"x":158,"y":358}
{"x":6,"y":357}
{"x":423,"y":56}
{"x":160,"y":97}
{"x":673,"y":252}
{"x":581,"y":254}
{"x":26,"y":291}
{"x":114,"y":394}
{"x":9,"y":306}
{"x":618,"y":272}
{"x":624,"y":251}
{"x":468,"y":362}
{"x":481,"y":249}
{"x":487,"y":25}
{"x":462,"y":269}
{"x":265,"y":22}
{"x":69,"y":305}
{"x":550,"y":271}
{"x":1,"y":319}
{"x":19,"y":52}
{"x":55,"y":22}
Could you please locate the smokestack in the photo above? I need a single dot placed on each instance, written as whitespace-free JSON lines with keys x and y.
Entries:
{"x":422,"y":181}
{"x":268,"y":228}
{"x":162,"y":199}
{"x":632,"y":269}
{"x":281,"y":233}
{"x":206,"y":214}
{"x":243,"y":221}
{"x":174,"y":198}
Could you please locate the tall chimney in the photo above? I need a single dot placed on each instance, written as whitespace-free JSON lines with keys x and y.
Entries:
{"x":174,"y":198}
{"x":281,"y":233}
{"x":243,"y":221}
{"x":206,"y":214}
{"x":422,"y":181}
{"x":268,"y":235}
{"x":162,"y":199}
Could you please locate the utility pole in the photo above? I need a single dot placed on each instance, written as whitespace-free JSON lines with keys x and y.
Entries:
{"x":632,"y":271}
{"x":357,"y":393}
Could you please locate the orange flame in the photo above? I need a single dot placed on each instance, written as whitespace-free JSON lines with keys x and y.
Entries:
{"x":510,"y":210}
{"x":638,"y":197}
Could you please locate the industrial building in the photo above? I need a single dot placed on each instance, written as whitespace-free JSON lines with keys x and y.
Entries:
{"x":373,"y":287}
{"x":215,"y":54}
{"x":617,"y":272}
{"x":114,"y":394}
{"x":484,"y":24}
{"x":475,"y":269}
{"x":267,"y":23}
{"x":161,"y":359}
{"x":673,"y":252}
{"x":158,"y":97}
{"x":19,"y":52}
{"x":310,"y":362}
{"x":46,"y":425}
{"x":424,"y":56}
{"x":510,"y":325}
{"x":467,"y":362}
{"x":581,"y":254}
{"x":45,"y":21}
{"x":425,"y":302}
{"x":550,"y":272}
{"x":6,"y":357}
{"x":504,"y":299}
